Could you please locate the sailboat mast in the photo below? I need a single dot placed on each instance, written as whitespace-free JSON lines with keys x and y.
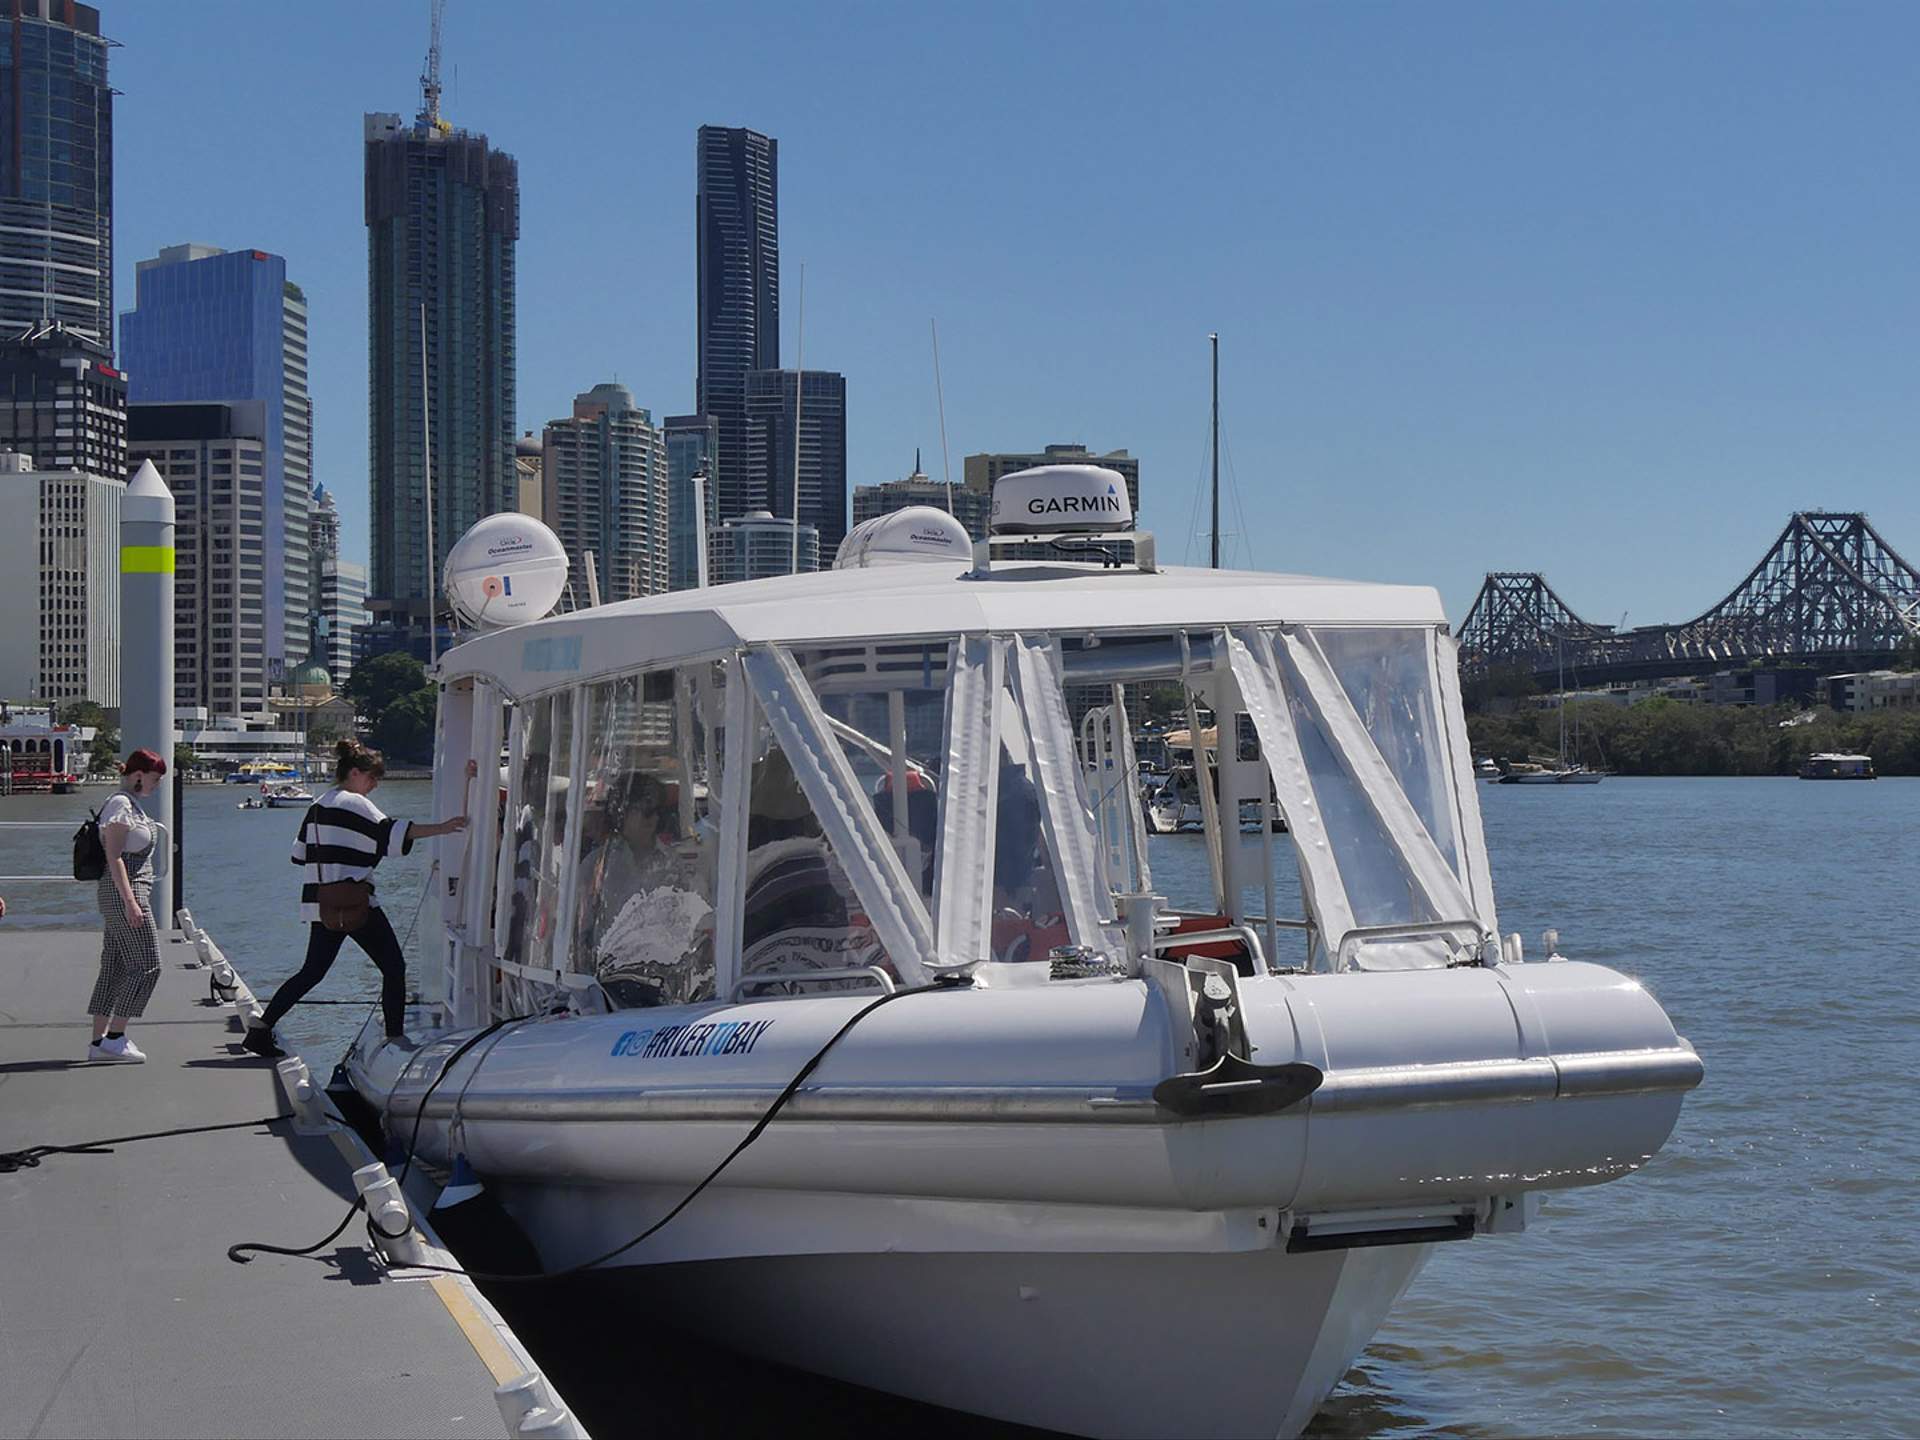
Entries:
{"x":1215,"y":339}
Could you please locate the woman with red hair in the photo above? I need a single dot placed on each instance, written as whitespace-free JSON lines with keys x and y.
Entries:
{"x":130,"y":949}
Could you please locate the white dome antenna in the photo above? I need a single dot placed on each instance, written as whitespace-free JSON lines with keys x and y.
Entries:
{"x":913,"y":533}
{"x":508,"y":569}
{"x":1057,"y":499}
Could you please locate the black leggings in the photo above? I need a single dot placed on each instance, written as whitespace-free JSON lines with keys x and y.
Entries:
{"x":376,"y":937}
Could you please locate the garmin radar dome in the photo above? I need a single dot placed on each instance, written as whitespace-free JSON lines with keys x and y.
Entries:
{"x":914,"y":533}
{"x":506,"y":570}
{"x":1050,"y":499}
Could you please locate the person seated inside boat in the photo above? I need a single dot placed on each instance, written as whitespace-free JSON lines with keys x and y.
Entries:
{"x":650,"y":928}
{"x":526,"y":832}
{"x":1027,"y":921}
{"x":796,"y":903}
{"x":923,"y":821}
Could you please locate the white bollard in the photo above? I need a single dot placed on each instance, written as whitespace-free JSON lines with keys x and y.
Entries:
{"x":146,"y":639}
{"x":394,"y":1232}
{"x":530,"y":1409}
{"x":304,"y":1094}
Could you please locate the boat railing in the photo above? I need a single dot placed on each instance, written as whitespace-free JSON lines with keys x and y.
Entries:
{"x":1245,"y":934}
{"x":1416,"y":930}
{"x":808,"y":977}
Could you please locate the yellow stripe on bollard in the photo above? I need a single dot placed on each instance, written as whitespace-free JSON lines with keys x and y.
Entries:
{"x":146,"y":559}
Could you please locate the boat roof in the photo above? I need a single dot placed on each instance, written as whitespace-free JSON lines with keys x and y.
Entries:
{"x":902,"y":602}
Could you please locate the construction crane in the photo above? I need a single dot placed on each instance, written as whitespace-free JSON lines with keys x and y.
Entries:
{"x":430,"y":76}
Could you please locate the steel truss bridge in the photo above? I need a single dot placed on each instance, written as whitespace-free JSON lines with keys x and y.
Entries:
{"x":1831,"y":592}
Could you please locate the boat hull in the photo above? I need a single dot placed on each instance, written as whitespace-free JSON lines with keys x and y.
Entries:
{"x":1044,"y":1339}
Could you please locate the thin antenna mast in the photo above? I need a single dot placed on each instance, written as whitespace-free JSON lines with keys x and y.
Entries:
{"x":430,"y":74}
{"x":1215,"y":339}
{"x":799,"y":387}
{"x":940,"y":394}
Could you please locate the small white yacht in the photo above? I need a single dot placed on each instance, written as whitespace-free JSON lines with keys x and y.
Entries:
{"x":828,"y":848}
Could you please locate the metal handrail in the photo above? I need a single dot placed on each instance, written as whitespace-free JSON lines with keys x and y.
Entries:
{"x":1419,"y":929}
{"x":789,"y":977}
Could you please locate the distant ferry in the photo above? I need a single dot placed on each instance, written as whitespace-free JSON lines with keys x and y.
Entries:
{"x":263,"y":772}
{"x":1829,"y":766}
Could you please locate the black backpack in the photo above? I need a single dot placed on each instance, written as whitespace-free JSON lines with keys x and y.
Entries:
{"x":89,"y":855}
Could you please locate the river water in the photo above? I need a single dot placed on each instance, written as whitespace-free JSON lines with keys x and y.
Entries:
{"x":1760,"y":1277}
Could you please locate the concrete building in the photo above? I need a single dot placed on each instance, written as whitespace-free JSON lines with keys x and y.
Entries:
{"x":340,"y":619}
{"x":604,"y":483}
{"x":982,"y":471}
{"x":529,"y":460}
{"x":213,"y":458}
{"x":323,"y":524}
{"x":228,"y":741}
{"x":756,"y":546}
{"x":972,"y":508}
{"x":692,"y":442}
{"x":1762,"y":685}
{"x":62,"y":402}
{"x":443,"y":218}
{"x":1860,"y":692}
{"x":773,"y":396}
{"x":56,"y":174}
{"x":737,"y":239}
{"x":227,"y":327}
{"x":60,"y":565}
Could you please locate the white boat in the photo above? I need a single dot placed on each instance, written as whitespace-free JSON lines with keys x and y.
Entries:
{"x":288,"y":797}
{"x":1562,"y":770}
{"x":1551,"y":774}
{"x":1031,"y":1126}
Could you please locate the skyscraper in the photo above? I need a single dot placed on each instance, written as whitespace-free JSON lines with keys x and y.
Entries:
{"x":773,"y":397}
{"x":63,"y":403}
{"x":692,"y":442}
{"x":756,"y":546}
{"x":60,"y":553}
{"x":56,"y":171}
{"x":226,"y":327}
{"x":604,"y":483}
{"x":738,"y":238}
{"x":443,"y":216}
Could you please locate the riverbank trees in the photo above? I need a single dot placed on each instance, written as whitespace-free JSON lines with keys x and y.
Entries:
{"x":391,"y":694}
{"x":1677,"y":737}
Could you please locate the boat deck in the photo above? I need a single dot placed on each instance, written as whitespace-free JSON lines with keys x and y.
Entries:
{"x":120,"y":1313}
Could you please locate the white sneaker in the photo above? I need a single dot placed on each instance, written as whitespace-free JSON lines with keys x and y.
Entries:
{"x":119,"y":1052}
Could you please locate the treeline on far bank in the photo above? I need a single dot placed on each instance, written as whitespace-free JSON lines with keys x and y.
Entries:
{"x":1677,"y":737}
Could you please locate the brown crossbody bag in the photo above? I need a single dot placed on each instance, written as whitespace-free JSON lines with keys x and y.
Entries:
{"x":344,"y":904}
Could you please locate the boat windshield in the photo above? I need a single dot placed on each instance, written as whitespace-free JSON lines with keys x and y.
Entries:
{"x":701,"y":830}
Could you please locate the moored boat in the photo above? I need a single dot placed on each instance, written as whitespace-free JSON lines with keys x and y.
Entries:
{"x":816,"y":864}
{"x":1829,"y":765}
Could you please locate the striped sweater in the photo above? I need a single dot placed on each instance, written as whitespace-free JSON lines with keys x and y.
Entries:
{"x":343,"y":837}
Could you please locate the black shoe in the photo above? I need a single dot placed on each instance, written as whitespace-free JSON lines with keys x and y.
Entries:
{"x":259,"y":1041}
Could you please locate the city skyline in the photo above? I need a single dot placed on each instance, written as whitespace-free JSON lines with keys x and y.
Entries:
{"x":1470,"y":287}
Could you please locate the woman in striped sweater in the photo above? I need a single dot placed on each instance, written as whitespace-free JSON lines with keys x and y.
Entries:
{"x":343,"y":836}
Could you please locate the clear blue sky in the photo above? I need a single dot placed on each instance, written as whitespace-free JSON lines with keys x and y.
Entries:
{"x":1604,"y":290}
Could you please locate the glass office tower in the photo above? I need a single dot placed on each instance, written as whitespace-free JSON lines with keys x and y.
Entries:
{"x":443,"y":217}
{"x":222,"y":326}
{"x":737,"y":229}
{"x":56,"y":170}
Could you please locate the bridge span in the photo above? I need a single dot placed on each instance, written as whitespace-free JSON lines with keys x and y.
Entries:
{"x":1831,"y":591}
